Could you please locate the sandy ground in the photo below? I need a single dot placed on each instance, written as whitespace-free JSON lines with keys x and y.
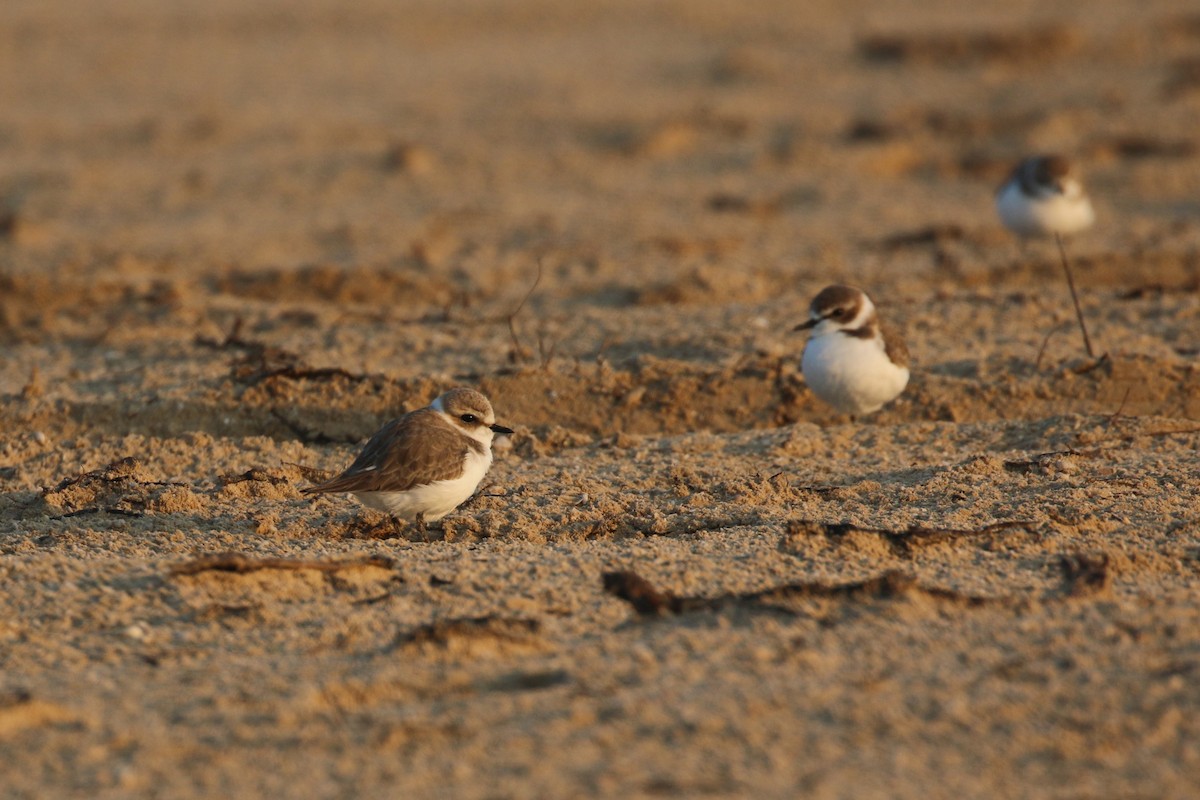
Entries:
{"x":237,"y":237}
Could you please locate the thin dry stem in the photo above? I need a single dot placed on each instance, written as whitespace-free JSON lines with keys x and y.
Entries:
{"x":1062,"y":251}
{"x":519,"y":350}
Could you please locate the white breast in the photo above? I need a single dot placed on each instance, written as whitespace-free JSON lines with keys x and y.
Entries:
{"x":434,"y":500}
{"x":1038,"y":216}
{"x":853,"y":375}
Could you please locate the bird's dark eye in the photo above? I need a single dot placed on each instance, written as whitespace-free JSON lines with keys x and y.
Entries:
{"x":469,"y":418}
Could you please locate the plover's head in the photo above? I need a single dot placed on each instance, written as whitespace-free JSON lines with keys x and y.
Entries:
{"x":470,"y":412}
{"x":838,"y":308}
{"x":1046,"y":176}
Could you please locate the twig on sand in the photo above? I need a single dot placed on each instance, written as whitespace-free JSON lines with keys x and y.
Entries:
{"x":546,"y":353}
{"x":1062,"y":251}
{"x":233,"y":339}
{"x":114,"y":510}
{"x":647,"y":600}
{"x":241,"y":563}
{"x":519,"y":351}
{"x":1116,"y":415}
{"x":904,"y":542}
{"x":1037,"y":365}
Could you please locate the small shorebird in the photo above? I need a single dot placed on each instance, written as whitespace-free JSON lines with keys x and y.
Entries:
{"x":423,"y":465}
{"x":850,"y":361}
{"x":1044,"y":197}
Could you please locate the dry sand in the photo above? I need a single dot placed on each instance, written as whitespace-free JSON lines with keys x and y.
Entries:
{"x":237,"y":237}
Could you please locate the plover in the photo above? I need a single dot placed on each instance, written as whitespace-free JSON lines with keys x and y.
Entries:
{"x":1044,"y":197}
{"x":423,"y":465}
{"x":850,"y":361}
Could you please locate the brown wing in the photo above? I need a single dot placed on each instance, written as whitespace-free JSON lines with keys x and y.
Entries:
{"x":893,"y":345}
{"x":412,"y":450}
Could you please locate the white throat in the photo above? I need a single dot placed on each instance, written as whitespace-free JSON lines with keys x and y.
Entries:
{"x":865,"y":312}
{"x":1072,"y":189}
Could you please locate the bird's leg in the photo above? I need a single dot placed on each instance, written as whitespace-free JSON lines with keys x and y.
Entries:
{"x":419,"y":524}
{"x":1062,"y":251}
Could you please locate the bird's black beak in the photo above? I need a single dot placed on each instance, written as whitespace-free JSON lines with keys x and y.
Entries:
{"x":803,"y":326}
{"x":500,"y":429}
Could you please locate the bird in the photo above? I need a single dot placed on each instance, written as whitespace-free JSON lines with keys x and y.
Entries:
{"x":850,"y":361}
{"x":421,"y":466}
{"x":1044,"y":196}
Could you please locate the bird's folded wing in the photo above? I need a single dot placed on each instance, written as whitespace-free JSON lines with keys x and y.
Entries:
{"x":407,"y":452}
{"x":893,"y":345}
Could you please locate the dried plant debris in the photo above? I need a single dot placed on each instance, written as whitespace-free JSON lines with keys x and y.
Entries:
{"x":8,"y":223}
{"x":1034,"y":44}
{"x":124,"y":469}
{"x":655,"y":523}
{"x":907,"y":123}
{"x":241,"y":563}
{"x":1086,"y":574}
{"x":310,"y":474}
{"x":905,"y":542}
{"x":298,"y":371}
{"x":275,"y":477}
{"x":232,"y":341}
{"x":1044,"y":462}
{"x":939,"y":234}
{"x":640,"y":593}
{"x":260,"y":361}
{"x":531,"y":681}
{"x":122,"y":487}
{"x":1184,"y":79}
{"x":1142,"y":146}
{"x":647,"y":600}
{"x":267,"y":483}
{"x":484,"y":635}
{"x":271,"y":363}
{"x":780,"y":202}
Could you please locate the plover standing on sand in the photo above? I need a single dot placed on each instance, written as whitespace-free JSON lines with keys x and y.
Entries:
{"x":850,"y":361}
{"x":1044,"y":197}
{"x":423,"y":465}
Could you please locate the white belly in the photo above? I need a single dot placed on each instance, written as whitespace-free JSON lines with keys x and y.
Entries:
{"x":1027,"y":216}
{"x":853,"y":375}
{"x":434,"y":500}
